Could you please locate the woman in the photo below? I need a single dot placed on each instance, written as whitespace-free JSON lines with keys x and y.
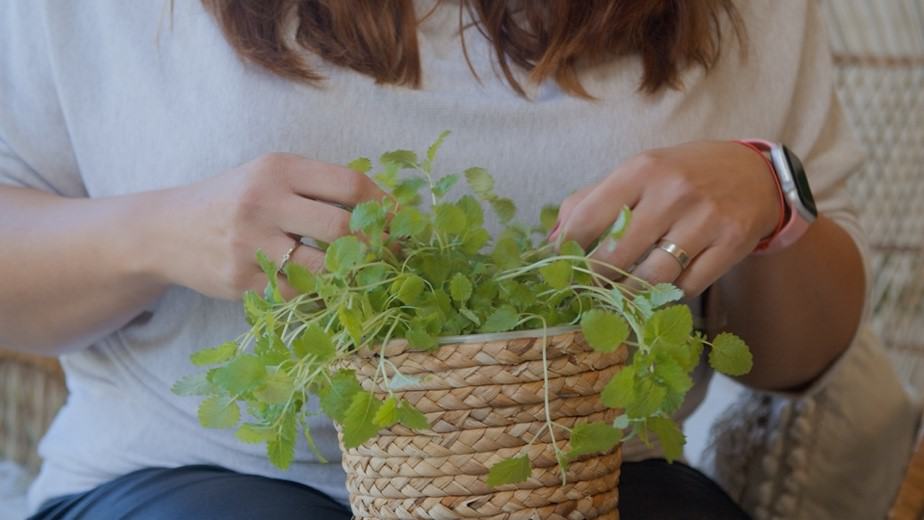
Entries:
{"x":147,"y":151}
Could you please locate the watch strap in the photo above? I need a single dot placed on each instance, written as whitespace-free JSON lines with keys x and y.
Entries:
{"x":763,"y":148}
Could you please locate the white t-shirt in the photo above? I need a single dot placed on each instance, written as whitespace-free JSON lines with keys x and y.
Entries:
{"x":110,"y":97}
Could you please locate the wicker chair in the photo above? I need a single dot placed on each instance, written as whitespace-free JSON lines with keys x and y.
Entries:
{"x":879,"y":50}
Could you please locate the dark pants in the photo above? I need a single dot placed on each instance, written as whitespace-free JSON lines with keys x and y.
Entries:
{"x":649,"y":489}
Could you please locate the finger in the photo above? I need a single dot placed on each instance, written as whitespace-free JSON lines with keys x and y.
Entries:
{"x":593,"y":215}
{"x":567,"y":206}
{"x":275,"y":249}
{"x":307,"y":257}
{"x":661,"y":266}
{"x":310,"y":218}
{"x":648,"y":225}
{"x":328,"y":182}
{"x":705,"y":269}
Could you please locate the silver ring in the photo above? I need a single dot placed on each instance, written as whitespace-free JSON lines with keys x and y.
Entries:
{"x":288,"y":256}
{"x":675,"y":251}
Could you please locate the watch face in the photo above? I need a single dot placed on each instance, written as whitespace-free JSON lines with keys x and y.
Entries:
{"x":801,"y":181}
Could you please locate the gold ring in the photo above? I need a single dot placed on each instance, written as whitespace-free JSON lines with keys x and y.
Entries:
{"x":288,"y":256}
{"x":675,"y":251}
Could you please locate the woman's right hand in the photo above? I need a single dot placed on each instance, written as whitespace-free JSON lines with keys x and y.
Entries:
{"x":215,"y":227}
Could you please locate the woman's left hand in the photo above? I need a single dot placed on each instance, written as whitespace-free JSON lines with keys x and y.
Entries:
{"x":714,"y":199}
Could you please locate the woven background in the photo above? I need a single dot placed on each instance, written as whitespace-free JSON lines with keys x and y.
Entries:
{"x":878,"y":48}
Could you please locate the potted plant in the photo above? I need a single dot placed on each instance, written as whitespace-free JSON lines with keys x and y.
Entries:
{"x":466,"y":376}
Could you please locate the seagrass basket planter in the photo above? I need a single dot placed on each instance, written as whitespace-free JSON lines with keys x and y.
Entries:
{"x":483,"y":396}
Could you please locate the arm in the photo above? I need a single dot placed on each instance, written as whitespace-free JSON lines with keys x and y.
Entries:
{"x":77,"y":270}
{"x":83,"y":267}
{"x":798,"y":309}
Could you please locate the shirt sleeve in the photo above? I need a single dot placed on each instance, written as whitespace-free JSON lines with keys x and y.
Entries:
{"x":35,"y":147}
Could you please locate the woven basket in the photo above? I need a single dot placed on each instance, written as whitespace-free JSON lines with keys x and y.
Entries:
{"x":483,"y":396}
{"x":32,"y":390}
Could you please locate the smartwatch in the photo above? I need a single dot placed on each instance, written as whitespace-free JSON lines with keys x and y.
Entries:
{"x":796,"y":195}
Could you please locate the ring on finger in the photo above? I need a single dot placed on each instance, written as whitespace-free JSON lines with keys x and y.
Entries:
{"x":288,"y":256}
{"x":675,"y":251}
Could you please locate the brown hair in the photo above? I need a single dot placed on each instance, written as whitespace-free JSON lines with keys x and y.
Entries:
{"x":547,"y":38}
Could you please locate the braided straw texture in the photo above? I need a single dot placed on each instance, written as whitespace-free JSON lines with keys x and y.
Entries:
{"x":32,"y":390}
{"x":485,"y":402}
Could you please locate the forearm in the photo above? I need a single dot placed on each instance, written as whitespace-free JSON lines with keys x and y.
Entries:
{"x":799,"y":309}
{"x":73,"y":270}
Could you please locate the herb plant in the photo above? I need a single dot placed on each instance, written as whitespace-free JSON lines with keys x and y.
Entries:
{"x":420,"y":274}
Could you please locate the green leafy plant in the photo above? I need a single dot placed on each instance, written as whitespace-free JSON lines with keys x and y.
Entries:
{"x":421,"y":274}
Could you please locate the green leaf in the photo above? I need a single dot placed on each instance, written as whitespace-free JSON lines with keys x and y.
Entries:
{"x":244,"y":373}
{"x":360,"y":165}
{"x":336,"y":397}
{"x":619,"y":392}
{"x":669,"y":436}
{"x":510,"y":471}
{"x":400,"y":158}
{"x":503,"y":318}
{"x":194,"y":384}
{"x":272,"y":274}
{"x":670,"y":374}
{"x":281,"y":449}
{"x":271,"y":350}
{"x":571,"y":248}
{"x":410,"y":288}
{"x":474,"y":214}
{"x":547,"y":217}
{"x":314,"y":342}
{"x":730,"y":355}
{"x":449,"y":219}
{"x":663,"y":293}
{"x":504,"y":208}
{"x":214,"y":355}
{"x":595,"y":437}
{"x":433,"y":149}
{"x":405,"y":191}
{"x":344,"y":254}
{"x":670,"y":326}
{"x":387,"y":414}
{"x":506,"y":253}
{"x":460,"y":288}
{"x":358,"y":422}
{"x":276,"y":388}
{"x":408,"y":222}
{"x":419,"y":338}
{"x":480,"y":181}
{"x":604,"y":330}
{"x":475,"y":240}
{"x":445,"y":184}
{"x":693,"y":352}
{"x":219,"y":412}
{"x":351,"y":321}
{"x":470,"y":315}
{"x":618,"y":229}
{"x":649,"y":397}
{"x":301,"y":279}
{"x":621,"y":422}
{"x":411,"y":417}
{"x":401,"y":381}
{"x":368,"y":217}
{"x":254,"y":433}
{"x":255,"y":307}
{"x":557,"y":274}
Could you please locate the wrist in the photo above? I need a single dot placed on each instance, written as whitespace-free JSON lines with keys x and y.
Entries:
{"x":775,"y":223}
{"x":140,"y":224}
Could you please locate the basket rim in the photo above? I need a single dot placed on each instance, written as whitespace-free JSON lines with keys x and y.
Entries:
{"x":503,"y":336}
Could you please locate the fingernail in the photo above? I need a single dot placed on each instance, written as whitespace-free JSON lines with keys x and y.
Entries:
{"x":554,"y":229}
